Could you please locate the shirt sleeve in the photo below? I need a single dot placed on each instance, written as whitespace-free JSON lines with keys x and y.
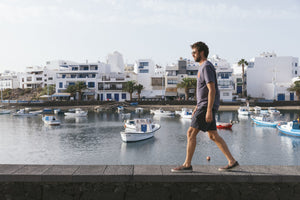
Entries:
{"x":209,"y":74}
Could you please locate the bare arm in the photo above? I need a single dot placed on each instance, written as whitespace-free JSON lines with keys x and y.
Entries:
{"x":211,"y":100}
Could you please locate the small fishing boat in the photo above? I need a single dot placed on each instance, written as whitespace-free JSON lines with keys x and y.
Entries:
{"x":3,"y":112}
{"x":224,"y":125}
{"x":139,"y":129}
{"x":291,"y":128}
{"x":24,"y":114}
{"x":161,"y":112}
{"x":120,"y":108}
{"x":139,"y":110}
{"x":78,"y":113}
{"x":273,"y":111}
{"x":264,"y":120}
{"x":243,"y":110}
{"x":51,"y":120}
{"x":185,"y":113}
{"x":37,"y":112}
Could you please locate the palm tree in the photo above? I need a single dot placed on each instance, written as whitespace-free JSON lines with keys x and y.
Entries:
{"x":194,"y":85}
{"x":186,"y":83}
{"x":80,"y":85}
{"x":243,"y":62}
{"x":139,"y":89}
{"x":129,"y":87}
{"x":72,"y":90}
{"x":295,"y":88}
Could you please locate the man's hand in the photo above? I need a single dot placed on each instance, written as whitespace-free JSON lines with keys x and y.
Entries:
{"x":208,"y":117}
{"x":194,"y":111}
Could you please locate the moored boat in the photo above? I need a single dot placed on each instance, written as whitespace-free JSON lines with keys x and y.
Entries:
{"x":139,"y":129}
{"x":24,"y":114}
{"x":264,"y":120}
{"x":51,"y":120}
{"x":78,"y":113}
{"x":161,"y":112}
{"x":291,"y":128}
{"x":3,"y":112}
{"x":223,"y":125}
{"x":243,"y":110}
{"x":185,"y":113}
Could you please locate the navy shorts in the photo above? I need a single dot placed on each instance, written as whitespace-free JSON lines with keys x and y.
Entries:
{"x":199,"y":122}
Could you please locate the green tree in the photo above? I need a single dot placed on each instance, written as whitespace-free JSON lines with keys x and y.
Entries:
{"x":78,"y":87}
{"x":49,"y":89}
{"x":186,"y":83}
{"x":242,"y":63}
{"x":129,"y":87}
{"x":194,"y":85}
{"x":295,"y":88}
{"x":139,"y":89}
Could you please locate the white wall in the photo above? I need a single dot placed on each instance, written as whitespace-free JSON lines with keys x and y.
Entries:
{"x":269,"y":73}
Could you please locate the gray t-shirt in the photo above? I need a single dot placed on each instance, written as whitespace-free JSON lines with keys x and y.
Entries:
{"x":206,"y":74}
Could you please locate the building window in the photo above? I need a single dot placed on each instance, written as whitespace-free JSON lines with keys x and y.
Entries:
{"x":91,"y":84}
{"x":172,"y":82}
{"x":225,"y":94}
{"x":50,"y":78}
{"x":123,"y":95}
{"x":143,"y":64}
{"x":60,"y":85}
{"x":39,"y":79}
{"x":71,"y":83}
{"x":108,"y":96}
{"x":29,"y":79}
{"x":295,"y":72}
{"x":144,"y":71}
{"x":296,"y":64}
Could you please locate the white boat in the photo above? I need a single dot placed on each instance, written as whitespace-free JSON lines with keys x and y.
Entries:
{"x":139,"y":129}
{"x":36,"y":112}
{"x":56,"y":111}
{"x":244,"y":110}
{"x":120,"y":108}
{"x":78,"y":113}
{"x":3,"y":112}
{"x":257,"y":109}
{"x":264,"y":120}
{"x":273,"y":111}
{"x":51,"y":120}
{"x":161,"y":112}
{"x":185,"y":113}
{"x":139,"y":110}
{"x":23,"y":113}
{"x":292,"y":128}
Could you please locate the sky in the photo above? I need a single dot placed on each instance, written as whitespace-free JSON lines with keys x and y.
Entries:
{"x":35,"y":31}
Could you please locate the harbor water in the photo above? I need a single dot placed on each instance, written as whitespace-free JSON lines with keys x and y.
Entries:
{"x":95,"y":139}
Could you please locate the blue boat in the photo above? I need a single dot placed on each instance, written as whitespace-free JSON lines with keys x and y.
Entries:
{"x":264,"y":120}
{"x":291,"y":128}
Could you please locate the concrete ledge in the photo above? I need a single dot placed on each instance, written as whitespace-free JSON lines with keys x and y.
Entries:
{"x":124,"y":182}
{"x":146,"y":173}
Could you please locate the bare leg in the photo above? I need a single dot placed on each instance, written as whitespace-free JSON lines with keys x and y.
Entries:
{"x":214,"y":136}
{"x":191,"y":145}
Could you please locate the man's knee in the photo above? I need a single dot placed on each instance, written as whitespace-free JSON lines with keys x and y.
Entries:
{"x":213,"y":135}
{"x":192,"y":133}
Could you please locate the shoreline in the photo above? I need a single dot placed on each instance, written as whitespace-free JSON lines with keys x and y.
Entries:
{"x":147,"y":107}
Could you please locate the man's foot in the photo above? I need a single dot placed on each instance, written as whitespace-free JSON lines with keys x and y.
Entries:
{"x":229,"y":167}
{"x":182,"y":169}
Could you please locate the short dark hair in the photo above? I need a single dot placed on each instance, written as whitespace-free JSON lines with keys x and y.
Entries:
{"x":201,"y":46}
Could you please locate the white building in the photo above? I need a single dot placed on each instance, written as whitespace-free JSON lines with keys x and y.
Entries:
{"x":270,"y":76}
{"x":102,"y":84}
{"x":145,"y":70}
{"x":8,"y":80}
{"x":116,"y":62}
{"x":224,"y":76}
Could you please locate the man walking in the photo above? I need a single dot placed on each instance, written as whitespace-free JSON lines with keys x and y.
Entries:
{"x":208,"y":100}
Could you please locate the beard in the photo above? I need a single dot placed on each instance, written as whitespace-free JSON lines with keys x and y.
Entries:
{"x":198,"y":59}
